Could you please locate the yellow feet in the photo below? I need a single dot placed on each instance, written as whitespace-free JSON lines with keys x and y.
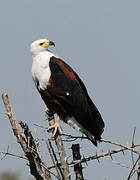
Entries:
{"x":56,"y":127}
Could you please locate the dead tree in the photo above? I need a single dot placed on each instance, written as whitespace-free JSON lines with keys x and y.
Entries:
{"x":38,"y":166}
{"x":27,"y":143}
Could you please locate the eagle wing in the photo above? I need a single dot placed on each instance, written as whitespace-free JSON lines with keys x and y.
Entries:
{"x":67,"y":95}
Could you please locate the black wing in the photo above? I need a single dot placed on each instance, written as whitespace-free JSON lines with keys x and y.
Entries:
{"x":72,"y":94}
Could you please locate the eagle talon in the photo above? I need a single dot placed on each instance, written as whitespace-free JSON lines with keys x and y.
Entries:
{"x":56,"y":127}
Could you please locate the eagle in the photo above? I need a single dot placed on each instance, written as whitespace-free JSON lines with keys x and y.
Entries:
{"x":64,"y":93}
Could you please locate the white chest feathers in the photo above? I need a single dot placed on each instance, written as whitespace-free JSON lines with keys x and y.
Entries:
{"x":40,"y":69}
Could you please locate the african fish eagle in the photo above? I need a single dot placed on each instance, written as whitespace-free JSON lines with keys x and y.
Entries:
{"x":64,"y":93}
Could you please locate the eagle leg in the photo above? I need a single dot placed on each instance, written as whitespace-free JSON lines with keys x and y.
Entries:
{"x":56,"y":127}
{"x":49,"y":114}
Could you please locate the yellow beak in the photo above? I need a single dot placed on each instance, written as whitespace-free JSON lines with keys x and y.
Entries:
{"x":47,"y":44}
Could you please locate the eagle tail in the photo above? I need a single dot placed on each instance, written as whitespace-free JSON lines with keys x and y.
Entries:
{"x":93,"y":140}
{"x":91,"y":137}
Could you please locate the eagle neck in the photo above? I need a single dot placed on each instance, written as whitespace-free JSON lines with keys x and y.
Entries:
{"x":41,"y":70}
{"x":42,"y":55}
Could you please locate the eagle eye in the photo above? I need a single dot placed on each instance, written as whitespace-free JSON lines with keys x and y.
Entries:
{"x":41,"y":44}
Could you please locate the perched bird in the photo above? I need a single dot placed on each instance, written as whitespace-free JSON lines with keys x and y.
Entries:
{"x":64,"y":93}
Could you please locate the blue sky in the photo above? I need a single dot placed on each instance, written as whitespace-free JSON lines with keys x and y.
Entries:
{"x":101,"y":41}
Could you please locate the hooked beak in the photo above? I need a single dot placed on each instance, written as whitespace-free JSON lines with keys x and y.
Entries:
{"x":52,"y":43}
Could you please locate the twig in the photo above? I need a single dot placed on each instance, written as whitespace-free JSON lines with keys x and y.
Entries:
{"x":5,"y":153}
{"x":115,"y":151}
{"x":132,"y":145}
{"x":77,"y":167}
{"x":138,"y":170}
{"x":121,"y":145}
{"x":130,"y":174}
{"x":71,"y":138}
{"x":120,"y":164}
{"x":26,"y":144}
{"x":11,"y":154}
{"x":54,"y":159}
{"x":104,"y":140}
{"x":46,"y":168}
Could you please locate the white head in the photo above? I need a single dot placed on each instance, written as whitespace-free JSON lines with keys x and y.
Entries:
{"x":40,"y":45}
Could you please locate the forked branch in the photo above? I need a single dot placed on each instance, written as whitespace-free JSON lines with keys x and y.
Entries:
{"x":27,"y":143}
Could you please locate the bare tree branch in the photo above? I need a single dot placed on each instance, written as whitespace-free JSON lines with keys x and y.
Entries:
{"x":133,"y":168}
{"x":61,"y":151}
{"x":98,"y":156}
{"x":40,"y":170}
{"x":120,"y":164}
{"x":27,"y":144}
{"x":121,"y":145}
{"x":133,"y":136}
{"x":54,"y":159}
{"x":105,"y":141}
{"x":138,"y":170}
{"x":11,"y":154}
{"x":77,"y":167}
